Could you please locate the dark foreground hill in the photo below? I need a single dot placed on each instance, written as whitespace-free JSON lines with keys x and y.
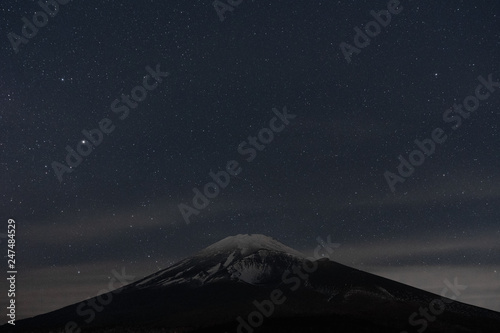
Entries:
{"x":250,"y":283}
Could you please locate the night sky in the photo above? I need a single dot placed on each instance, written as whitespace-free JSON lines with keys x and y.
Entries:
{"x":320,"y":172}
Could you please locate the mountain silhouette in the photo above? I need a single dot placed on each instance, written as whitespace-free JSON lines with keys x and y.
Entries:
{"x":253,"y":283}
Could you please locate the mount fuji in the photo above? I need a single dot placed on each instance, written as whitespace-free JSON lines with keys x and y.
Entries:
{"x":253,"y":283}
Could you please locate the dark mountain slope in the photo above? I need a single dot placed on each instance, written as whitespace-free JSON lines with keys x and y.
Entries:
{"x":229,"y":287}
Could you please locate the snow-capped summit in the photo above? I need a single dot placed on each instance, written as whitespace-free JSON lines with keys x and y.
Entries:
{"x":247,"y":244}
{"x":252,"y":259}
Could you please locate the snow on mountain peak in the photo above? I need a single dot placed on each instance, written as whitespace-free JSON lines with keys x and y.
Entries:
{"x":247,"y":244}
{"x":252,"y":259}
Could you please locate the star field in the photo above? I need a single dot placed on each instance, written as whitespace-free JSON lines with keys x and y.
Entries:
{"x":323,"y":174}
